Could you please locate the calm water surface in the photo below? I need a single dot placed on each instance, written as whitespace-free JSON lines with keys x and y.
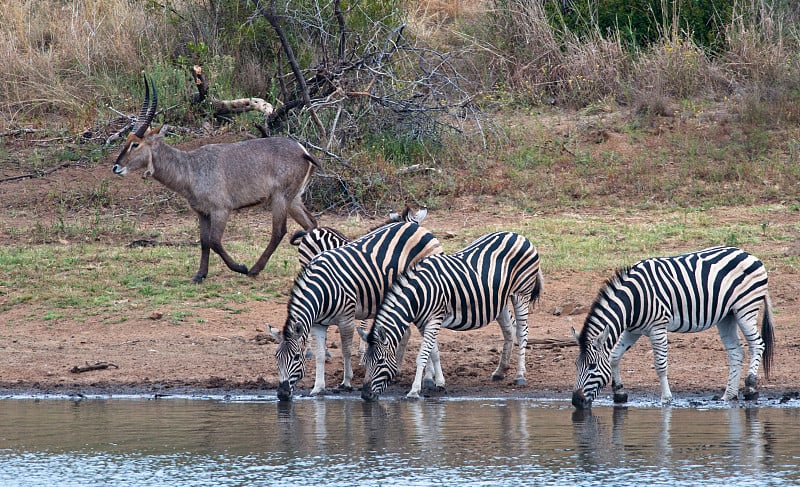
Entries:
{"x":348,"y":442}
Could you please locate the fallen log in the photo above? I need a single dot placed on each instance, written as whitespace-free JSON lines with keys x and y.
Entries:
{"x":78,"y":369}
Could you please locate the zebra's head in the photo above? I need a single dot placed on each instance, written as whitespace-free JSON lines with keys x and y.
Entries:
{"x":380,"y":363}
{"x":291,"y":358}
{"x":592,"y":365}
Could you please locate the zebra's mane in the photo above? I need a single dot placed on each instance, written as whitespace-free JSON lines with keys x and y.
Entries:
{"x":588,"y":326}
{"x":297,"y":236}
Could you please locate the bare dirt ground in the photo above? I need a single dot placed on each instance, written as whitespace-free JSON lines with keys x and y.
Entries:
{"x":217,"y":355}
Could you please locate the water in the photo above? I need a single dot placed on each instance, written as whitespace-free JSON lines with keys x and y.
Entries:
{"x":432,"y":442}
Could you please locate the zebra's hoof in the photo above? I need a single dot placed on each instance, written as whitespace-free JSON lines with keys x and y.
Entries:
{"x":750,"y":395}
{"x":344,"y":388}
{"x":496,"y":378}
{"x":428,"y":384}
{"x":620,"y":397}
{"x":520,"y":382}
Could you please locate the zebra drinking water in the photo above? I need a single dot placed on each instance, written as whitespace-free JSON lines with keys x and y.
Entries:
{"x":721,"y":286}
{"x":462,"y":291}
{"x":339,"y":286}
{"x":311,"y":243}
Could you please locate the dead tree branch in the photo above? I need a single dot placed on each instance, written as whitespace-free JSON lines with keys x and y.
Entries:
{"x":79,"y":369}
{"x":225,"y":107}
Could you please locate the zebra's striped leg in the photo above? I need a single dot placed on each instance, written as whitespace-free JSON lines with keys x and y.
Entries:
{"x":362,"y":344}
{"x":507,"y":326}
{"x":401,"y":348}
{"x":625,"y":342}
{"x":756,"y":347}
{"x":346,"y":329}
{"x":729,"y":333}
{"x":433,"y":371}
{"x":521,"y":318}
{"x":658,"y":340}
{"x":429,"y":338}
{"x":319,"y":335}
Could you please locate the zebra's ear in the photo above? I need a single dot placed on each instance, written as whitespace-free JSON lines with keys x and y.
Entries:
{"x":362,"y":333}
{"x":297,"y":237}
{"x":276,"y":333}
{"x":575,"y":335}
{"x":420,"y":215}
{"x":602,"y":337}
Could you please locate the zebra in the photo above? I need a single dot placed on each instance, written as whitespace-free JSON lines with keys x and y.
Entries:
{"x":311,"y":243}
{"x":339,"y":286}
{"x":461,"y":291}
{"x":722,"y":286}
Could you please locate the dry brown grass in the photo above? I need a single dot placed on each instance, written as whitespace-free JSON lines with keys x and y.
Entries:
{"x":60,"y":57}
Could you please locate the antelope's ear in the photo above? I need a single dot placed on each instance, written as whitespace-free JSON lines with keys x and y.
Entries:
{"x":575,"y":335}
{"x":276,"y":333}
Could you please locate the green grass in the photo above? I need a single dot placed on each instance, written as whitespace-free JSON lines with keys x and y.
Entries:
{"x":82,"y":281}
{"x":110,"y":282}
{"x":571,"y":242}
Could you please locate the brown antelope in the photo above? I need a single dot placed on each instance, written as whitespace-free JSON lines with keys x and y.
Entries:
{"x":218,"y":178}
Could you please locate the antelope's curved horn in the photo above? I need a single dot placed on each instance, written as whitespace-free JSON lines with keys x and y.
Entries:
{"x":141,"y":126}
{"x":151,"y":111}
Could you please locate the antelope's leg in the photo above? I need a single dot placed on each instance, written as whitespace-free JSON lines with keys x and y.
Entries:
{"x":216,"y":223}
{"x":278,"y":231}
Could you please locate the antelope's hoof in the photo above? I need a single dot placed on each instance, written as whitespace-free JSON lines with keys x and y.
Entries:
{"x":198,"y":278}
{"x":428,"y":384}
{"x":520,"y":382}
{"x":620,"y":397}
{"x":750,"y":395}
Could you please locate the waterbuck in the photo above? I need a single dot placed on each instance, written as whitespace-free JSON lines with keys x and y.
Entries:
{"x":218,"y":178}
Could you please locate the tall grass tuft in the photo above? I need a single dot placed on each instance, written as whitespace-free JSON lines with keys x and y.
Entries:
{"x":61,"y":58}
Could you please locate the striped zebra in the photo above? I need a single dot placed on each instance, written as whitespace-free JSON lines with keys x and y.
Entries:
{"x":461,"y":291}
{"x":311,"y":243}
{"x":720,"y":286}
{"x":338,"y":287}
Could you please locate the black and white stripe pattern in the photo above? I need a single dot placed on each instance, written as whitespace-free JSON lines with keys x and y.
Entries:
{"x":317,"y":240}
{"x":462,"y":291}
{"x":313,"y":242}
{"x":721,"y":286}
{"x":339,"y":286}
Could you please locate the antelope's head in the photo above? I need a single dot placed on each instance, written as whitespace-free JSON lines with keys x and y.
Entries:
{"x":136,"y":152}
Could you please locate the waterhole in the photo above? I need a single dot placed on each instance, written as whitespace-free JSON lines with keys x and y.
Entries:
{"x":345,"y":441}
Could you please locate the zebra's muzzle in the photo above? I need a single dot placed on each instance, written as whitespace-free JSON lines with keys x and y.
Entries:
{"x":580,"y":401}
{"x":284,"y":391}
{"x":367,"y":394}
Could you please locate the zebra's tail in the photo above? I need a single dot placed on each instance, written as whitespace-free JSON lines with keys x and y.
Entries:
{"x":537,"y":288}
{"x":767,"y":335}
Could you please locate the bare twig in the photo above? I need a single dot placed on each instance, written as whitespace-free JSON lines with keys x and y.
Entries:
{"x":36,"y":174}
